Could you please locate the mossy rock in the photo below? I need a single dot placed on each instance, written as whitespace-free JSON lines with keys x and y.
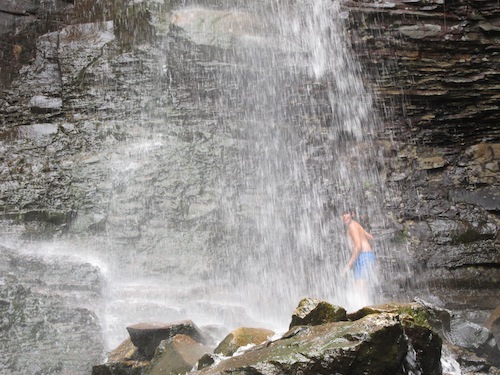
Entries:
{"x":242,"y":337}
{"x":418,"y":322}
{"x":411,"y":314}
{"x":311,"y":311}
{"x":375,"y":344}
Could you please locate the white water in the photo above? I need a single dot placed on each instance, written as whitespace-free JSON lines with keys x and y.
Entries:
{"x":304,"y":81}
{"x":301,"y":150}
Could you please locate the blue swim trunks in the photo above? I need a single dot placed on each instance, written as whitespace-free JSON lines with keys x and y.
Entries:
{"x":363,"y":268}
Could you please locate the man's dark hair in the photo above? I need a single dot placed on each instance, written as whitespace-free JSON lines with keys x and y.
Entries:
{"x":348,"y":211}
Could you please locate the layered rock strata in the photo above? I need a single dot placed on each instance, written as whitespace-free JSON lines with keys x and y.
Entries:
{"x":434,"y":66}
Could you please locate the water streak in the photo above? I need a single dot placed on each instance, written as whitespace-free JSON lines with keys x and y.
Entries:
{"x":309,"y":125}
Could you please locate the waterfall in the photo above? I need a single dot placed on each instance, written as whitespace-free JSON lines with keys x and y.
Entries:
{"x":309,"y":126}
{"x":234,"y":216}
{"x":230,"y":150}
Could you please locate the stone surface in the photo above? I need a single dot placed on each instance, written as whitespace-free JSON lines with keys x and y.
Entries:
{"x":312,"y":311}
{"x":47,"y":309}
{"x":434,"y":67}
{"x":241,"y":337}
{"x":177,"y":355}
{"x":342,"y":347}
{"x":493,"y":324}
{"x":147,"y":336}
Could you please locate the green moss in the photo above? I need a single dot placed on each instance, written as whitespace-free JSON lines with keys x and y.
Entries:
{"x":412,"y":315}
{"x":401,"y":236}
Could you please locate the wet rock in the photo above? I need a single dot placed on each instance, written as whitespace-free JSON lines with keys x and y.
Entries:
{"x":21,"y":22}
{"x":48,"y":303}
{"x":44,"y":104}
{"x":421,"y":31}
{"x":460,"y":333}
{"x":457,"y":135}
{"x":214,"y":27}
{"x":177,"y":355}
{"x":477,"y":339}
{"x":241,"y":337}
{"x":312,"y":311}
{"x":467,"y":362}
{"x":340,"y":347}
{"x":132,"y":24}
{"x":434,"y":162}
{"x":487,"y":197}
{"x":147,"y":336}
{"x":421,"y":324}
{"x":123,"y":360}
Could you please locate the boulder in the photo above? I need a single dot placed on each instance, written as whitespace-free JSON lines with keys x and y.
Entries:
{"x":374,"y":344}
{"x":312,"y":311}
{"x":177,"y":355}
{"x":147,"y":336}
{"x":421,"y":313}
{"x":417,"y":320}
{"x":125,"y":359}
{"x":242,"y":337}
{"x":475,"y":338}
{"x":126,"y":351}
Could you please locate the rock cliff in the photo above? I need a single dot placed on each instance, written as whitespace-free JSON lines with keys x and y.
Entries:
{"x":433,"y":66}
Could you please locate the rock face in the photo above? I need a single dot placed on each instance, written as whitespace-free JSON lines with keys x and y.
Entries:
{"x":443,"y":144}
{"x":21,"y":22}
{"x":47,"y":308}
{"x":433,"y":69}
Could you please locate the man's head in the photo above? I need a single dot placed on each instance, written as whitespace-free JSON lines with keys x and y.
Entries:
{"x":347,"y":216}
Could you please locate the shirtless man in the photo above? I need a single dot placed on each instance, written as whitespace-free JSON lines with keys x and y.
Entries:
{"x":362,"y":257}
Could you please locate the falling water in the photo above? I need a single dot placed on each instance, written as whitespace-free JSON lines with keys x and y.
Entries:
{"x":258,"y":224}
{"x":309,"y":127}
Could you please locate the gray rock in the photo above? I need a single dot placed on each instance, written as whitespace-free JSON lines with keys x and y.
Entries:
{"x":48,"y":304}
{"x":241,"y":337}
{"x":340,"y":347}
{"x":44,"y":104}
{"x":312,"y":311}
{"x":147,"y":336}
